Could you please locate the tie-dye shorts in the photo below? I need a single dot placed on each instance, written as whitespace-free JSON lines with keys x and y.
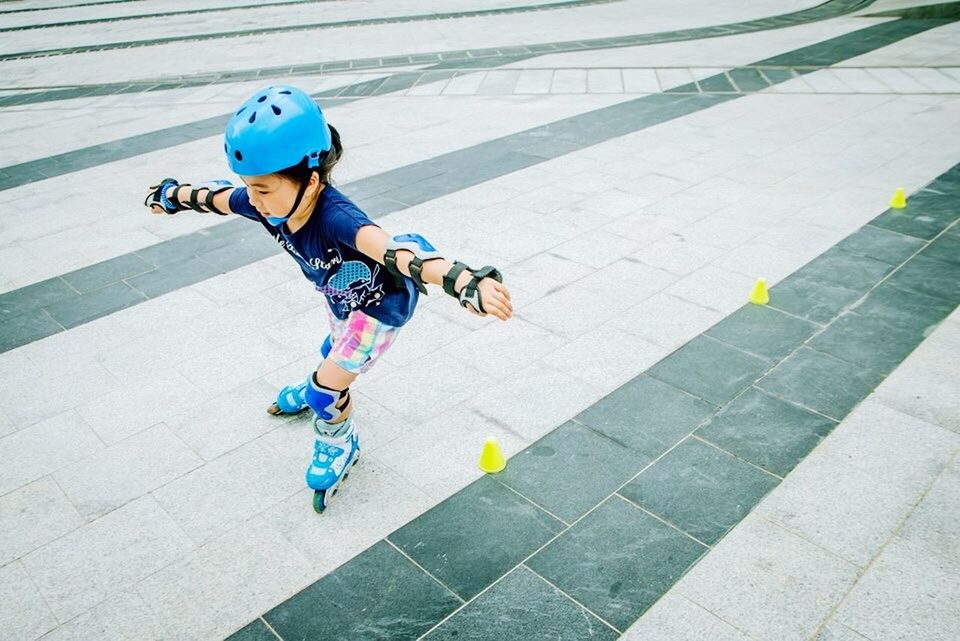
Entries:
{"x":359,"y":340}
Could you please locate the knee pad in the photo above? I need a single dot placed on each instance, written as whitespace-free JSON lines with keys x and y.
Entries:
{"x":329,"y":404}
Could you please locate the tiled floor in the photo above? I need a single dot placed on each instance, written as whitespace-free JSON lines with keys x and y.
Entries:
{"x":682,"y":465}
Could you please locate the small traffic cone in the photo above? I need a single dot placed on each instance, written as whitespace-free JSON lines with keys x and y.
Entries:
{"x":899,"y":200}
{"x":759,"y":294}
{"x":492,"y":459}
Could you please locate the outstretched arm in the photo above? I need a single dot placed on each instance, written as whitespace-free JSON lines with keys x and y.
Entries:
{"x":495,"y":297}
{"x":169,"y":197}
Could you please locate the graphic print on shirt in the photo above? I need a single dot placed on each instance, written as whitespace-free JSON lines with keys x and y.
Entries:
{"x":353,"y":286}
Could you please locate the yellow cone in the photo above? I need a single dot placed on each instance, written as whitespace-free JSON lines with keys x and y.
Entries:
{"x":492,"y":459}
{"x":759,"y":295}
{"x":899,"y":200}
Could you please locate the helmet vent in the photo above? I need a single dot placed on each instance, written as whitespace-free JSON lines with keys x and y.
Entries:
{"x":285,"y":92}
{"x":276,"y":109}
{"x":241,"y":110}
{"x":238,"y":155}
{"x":261,"y":98}
{"x":253,"y":117}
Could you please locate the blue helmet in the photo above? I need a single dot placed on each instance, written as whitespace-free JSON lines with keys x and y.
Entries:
{"x":275,"y":129}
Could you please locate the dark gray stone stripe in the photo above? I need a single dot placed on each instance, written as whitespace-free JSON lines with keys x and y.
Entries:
{"x":340,"y":24}
{"x":630,"y":455}
{"x":29,"y":311}
{"x":141,"y":16}
{"x":833,"y":331}
{"x":64,"y":6}
{"x":490,"y":57}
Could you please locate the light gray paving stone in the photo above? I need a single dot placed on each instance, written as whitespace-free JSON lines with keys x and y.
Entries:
{"x":839,"y":632}
{"x":675,"y":618}
{"x":224,"y":422}
{"x":545,"y":200}
{"x":767,"y":565}
{"x":249,"y":358}
{"x":898,"y":80}
{"x":535,"y":81}
{"x":572,"y":311}
{"x":79,"y":570}
{"x":604,"y":81}
{"x":37,"y":450}
{"x":892,"y":446}
{"x":24,"y":614}
{"x":514,"y":244}
{"x":640,"y":81}
{"x":534,"y":400}
{"x":499,"y":81}
{"x":126,"y":470}
{"x":839,"y":507}
{"x":596,"y":251}
{"x":677,"y":254}
{"x":859,"y":80}
{"x":7,"y":425}
{"x":375,"y":501}
{"x":605,"y":357}
{"x":714,"y":287}
{"x":569,"y":81}
{"x":33,"y":516}
{"x":464,"y":85}
{"x":666,"y":320}
{"x":221,"y":586}
{"x":426,"y":332}
{"x":615,"y":203}
{"x":917,"y":591}
{"x":673,"y":77}
{"x":627,"y":279}
{"x":214,"y":498}
{"x":653,"y":185}
{"x":932,"y":79}
{"x":441,"y":456}
{"x":120,"y":617}
{"x":935,"y":523}
{"x":139,"y":404}
{"x":758,"y":260}
{"x":503,"y":347}
{"x":824,"y":81}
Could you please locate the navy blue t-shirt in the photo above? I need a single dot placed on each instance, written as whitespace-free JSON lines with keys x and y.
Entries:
{"x":325,"y":248}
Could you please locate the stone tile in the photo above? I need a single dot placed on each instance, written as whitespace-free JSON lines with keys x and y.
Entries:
{"x":473,"y":538}
{"x":766,"y":431}
{"x":26,"y":328}
{"x":212,"y":499}
{"x":666,"y":320}
{"x":904,"y":309}
{"x":32,"y":516}
{"x":249,"y":358}
{"x":605,"y":357}
{"x":124,"y":615}
{"x":84,"y":567}
{"x":678,"y":255}
{"x":922,"y":218}
{"x":535,"y":278}
{"x":763,"y":331}
{"x":571,"y":470}
{"x":895,"y":447}
{"x":127,"y":470}
{"x":617,"y":561}
{"x":926,"y":384}
{"x":24,"y":615}
{"x":700,"y":489}
{"x":710,"y":370}
{"x":371,"y":504}
{"x":107,"y":272}
{"x":220,"y":424}
{"x":172,"y":276}
{"x":534,"y":400}
{"x":37,"y":450}
{"x":572,"y":311}
{"x":426,"y":332}
{"x":838,"y":632}
{"x":945,"y":248}
{"x":806,"y":296}
{"x":929,"y":276}
{"x":866,"y":341}
{"x":647,"y":415}
{"x":256,"y":630}
{"x":440,"y":456}
{"x":604,"y":248}
{"x":397,"y":599}
{"x":934,"y":524}
{"x":763,"y":561}
{"x":880,"y":244}
{"x":32,"y":297}
{"x":460,"y":378}
{"x":94,"y":305}
{"x":839,"y":507}
{"x":641,"y":281}
{"x":504,"y":612}
{"x":759,"y":260}
{"x":713,"y":287}
{"x":675,"y":618}
{"x":899,"y":584}
{"x":217,"y":588}
{"x":820,"y":382}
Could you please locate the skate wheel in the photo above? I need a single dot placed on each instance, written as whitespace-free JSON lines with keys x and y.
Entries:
{"x":319,"y":501}
{"x":274,"y":410}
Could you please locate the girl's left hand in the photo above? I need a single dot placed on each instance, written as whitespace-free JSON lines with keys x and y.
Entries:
{"x":496,"y":299}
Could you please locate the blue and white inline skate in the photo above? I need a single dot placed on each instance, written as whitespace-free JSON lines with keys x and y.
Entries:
{"x":334,"y":453}
{"x":291,"y":399}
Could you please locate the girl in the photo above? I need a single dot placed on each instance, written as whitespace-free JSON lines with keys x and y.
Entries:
{"x":281,"y":146}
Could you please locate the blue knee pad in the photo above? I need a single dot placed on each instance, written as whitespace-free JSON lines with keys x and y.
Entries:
{"x":327,"y":346}
{"x":329,"y":404}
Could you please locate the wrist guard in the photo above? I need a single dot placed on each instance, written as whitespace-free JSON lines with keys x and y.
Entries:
{"x":470,"y":294}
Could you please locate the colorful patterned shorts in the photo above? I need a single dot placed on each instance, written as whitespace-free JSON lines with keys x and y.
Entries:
{"x":359,"y":340}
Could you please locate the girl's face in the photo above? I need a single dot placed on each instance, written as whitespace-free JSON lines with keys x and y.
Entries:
{"x":272,"y":195}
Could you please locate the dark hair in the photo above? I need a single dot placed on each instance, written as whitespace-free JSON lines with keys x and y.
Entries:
{"x":300,"y":173}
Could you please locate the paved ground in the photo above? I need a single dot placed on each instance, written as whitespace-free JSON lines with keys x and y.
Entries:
{"x":682,"y":465}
